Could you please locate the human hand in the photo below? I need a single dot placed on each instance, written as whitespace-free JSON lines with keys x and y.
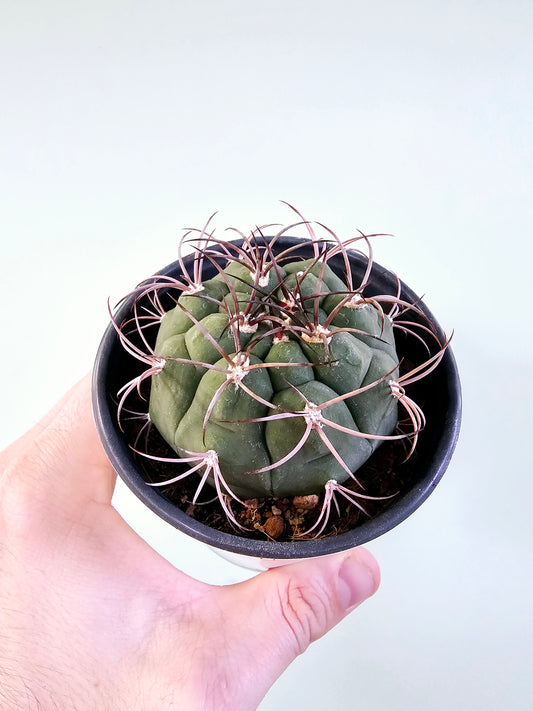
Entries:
{"x":92,"y":619}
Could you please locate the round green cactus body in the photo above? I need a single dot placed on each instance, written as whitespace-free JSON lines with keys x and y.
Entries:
{"x":284,"y":375}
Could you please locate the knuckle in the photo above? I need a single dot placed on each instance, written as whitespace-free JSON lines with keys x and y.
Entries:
{"x":306,"y":612}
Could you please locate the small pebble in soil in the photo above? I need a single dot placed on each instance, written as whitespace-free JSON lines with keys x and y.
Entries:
{"x":307,"y":503}
{"x":274,"y":526}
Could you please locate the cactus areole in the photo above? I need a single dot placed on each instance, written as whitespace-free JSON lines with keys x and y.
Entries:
{"x":270,"y":371}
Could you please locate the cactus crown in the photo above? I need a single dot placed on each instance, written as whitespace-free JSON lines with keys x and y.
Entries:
{"x":277,"y":376}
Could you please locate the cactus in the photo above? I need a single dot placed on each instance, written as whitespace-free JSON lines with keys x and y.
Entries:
{"x":277,"y":376}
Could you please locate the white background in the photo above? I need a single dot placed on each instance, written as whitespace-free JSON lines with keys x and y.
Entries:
{"x":123,"y":122}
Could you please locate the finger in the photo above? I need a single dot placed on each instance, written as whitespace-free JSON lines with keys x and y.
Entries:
{"x":282,"y":611}
{"x":63,"y":451}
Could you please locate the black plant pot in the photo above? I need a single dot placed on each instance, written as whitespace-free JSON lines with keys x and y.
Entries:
{"x":435,"y":447}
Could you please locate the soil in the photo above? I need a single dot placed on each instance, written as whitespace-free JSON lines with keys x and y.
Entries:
{"x":385,"y":474}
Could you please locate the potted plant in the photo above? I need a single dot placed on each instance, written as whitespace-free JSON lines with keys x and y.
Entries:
{"x":277,"y":397}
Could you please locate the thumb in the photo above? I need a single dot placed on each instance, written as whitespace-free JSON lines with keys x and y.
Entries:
{"x":285,"y":609}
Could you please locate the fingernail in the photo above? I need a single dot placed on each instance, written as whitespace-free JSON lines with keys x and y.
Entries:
{"x":357,"y":580}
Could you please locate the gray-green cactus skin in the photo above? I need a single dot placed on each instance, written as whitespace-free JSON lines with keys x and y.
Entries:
{"x":356,"y":350}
